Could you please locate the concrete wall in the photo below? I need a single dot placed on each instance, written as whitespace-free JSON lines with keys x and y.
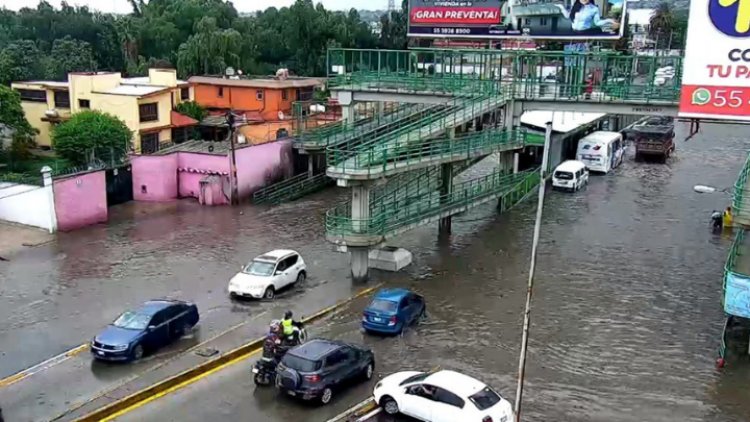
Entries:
{"x":27,"y":204}
{"x":154,"y":177}
{"x":193,"y":167}
{"x":80,"y":200}
{"x":261,"y":165}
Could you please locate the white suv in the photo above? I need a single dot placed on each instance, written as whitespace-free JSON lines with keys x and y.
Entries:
{"x":268,"y":273}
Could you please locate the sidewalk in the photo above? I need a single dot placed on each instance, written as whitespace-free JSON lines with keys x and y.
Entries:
{"x":16,"y":237}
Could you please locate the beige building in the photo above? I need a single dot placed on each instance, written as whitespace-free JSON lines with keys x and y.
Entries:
{"x":145,"y":104}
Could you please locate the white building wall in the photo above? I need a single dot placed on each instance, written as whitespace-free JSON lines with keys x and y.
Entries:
{"x":27,"y":204}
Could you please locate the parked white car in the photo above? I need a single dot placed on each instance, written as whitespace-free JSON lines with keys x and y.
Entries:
{"x":268,"y":273}
{"x":443,"y":396}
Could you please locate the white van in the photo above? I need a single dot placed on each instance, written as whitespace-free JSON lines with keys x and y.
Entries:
{"x":601,"y":151}
{"x":570,"y":175}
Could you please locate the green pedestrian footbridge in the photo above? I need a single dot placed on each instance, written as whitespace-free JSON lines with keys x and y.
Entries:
{"x":407,"y":122}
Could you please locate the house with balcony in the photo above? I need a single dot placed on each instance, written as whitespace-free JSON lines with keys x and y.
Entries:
{"x":145,"y":104}
{"x":264,"y":103}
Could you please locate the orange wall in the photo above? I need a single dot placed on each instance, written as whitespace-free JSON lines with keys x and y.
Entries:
{"x":242,"y":98}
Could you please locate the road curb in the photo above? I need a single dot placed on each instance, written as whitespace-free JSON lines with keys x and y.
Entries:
{"x":185,"y":377}
{"x":357,"y":412}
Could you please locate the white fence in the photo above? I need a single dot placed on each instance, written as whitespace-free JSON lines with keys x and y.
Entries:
{"x":28,"y":204}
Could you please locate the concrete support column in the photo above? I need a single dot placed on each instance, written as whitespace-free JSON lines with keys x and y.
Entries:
{"x":310,"y":165}
{"x":516,"y":157}
{"x":380,"y":107}
{"x":446,"y":187}
{"x":360,"y":256}
{"x":47,"y":180}
{"x":347,"y":113}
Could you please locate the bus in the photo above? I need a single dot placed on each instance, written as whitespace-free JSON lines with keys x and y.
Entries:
{"x":601,"y":151}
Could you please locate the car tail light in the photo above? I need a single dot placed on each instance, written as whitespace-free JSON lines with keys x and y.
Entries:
{"x":393,"y":320}
{"x":487,"y":419}
{"x":312,"y":378}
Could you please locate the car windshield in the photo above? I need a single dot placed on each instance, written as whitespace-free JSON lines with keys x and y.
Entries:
{"x":381,"y":305}
{"x":300,"y":364}
{"x":485,"y":399}
{"x":261,"y":268}
{"x":415,"y":378}
{"x":132,"y":321}
{"x":563,"y":175}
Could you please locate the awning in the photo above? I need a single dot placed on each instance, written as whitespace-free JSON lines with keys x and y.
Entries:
{"x":181,"y":120}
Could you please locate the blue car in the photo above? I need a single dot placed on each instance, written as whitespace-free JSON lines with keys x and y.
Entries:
{"x":154,"y":324}
{"x":391,"y":310}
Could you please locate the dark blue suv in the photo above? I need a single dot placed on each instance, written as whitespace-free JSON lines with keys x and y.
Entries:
{"x":319,"y":368}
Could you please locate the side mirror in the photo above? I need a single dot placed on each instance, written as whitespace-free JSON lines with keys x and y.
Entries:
{"x":278,"y":272}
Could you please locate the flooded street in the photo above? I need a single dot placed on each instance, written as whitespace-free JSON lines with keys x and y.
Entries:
{"x":626,"y":312}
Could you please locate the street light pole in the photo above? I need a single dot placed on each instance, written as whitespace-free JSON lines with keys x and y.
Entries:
{"x":532,"y":269}
{"x":234,"y":199}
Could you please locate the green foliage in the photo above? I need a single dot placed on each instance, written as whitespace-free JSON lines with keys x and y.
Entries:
{"x":199,"y":36}
{"x":70,"y":55}
{"x":91,"y":135}
{"x":192,"y":109}
{"x":11,"y":113}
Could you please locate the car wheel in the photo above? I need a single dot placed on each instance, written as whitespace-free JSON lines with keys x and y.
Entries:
{"x":137,"y":352}
{"x":269,"y":293}
{"x":389,"y":405}
{"x":327,"y":395}
{"x":300,"y":277}
{"x":186,"y":328}
{"x":369,"y":371}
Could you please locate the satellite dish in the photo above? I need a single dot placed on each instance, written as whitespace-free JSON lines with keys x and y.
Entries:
{"x":229,"y":71}
{"x":281,"y":115}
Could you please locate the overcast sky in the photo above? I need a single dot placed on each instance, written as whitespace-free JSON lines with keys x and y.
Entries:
{"x":123,"y":6}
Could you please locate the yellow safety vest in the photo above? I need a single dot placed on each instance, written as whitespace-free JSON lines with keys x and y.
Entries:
{"x":286,"y":325}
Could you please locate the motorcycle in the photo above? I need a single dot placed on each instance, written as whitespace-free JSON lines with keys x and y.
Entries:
{"x":264,"y":370}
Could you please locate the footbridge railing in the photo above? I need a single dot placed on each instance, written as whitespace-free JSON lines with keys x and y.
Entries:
{"x":536,"y":75}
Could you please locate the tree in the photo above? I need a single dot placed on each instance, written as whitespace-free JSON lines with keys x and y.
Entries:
{"x":192,"y":109}
{"x":209,"y":50}
{"x":20,"y":61}
{"x":11,"y":113}
{"x":662,"y":23}
{"x":393,"y":27}
{"x":92,"y":135}
{"x":70,"y":55}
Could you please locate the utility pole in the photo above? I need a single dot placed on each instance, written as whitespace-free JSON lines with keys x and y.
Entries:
{"x":234,"y":198}
{"x":532,"y":269}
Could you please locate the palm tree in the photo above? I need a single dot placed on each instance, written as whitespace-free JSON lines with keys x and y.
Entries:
{"x":662,"y":23}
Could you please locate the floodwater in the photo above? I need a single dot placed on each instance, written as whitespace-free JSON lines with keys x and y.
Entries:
{"x":626,"y":312}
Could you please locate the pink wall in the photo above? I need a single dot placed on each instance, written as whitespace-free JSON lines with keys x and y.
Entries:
{"x":154,"y":177}
{"x":189,"y":182}
{"x":261,"y":165}
{"x":80,"y":200}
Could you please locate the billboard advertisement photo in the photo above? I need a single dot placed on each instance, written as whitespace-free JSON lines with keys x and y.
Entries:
{"x":498,"y":19}
{"x":716,"y":70}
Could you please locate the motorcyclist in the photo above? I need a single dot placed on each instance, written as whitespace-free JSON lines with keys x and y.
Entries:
{"x":272,"y":345}
{"x":716,"y":218}
{"x":290,"y":328}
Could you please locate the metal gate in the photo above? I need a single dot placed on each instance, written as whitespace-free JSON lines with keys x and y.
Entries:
{"x":119,"y":185}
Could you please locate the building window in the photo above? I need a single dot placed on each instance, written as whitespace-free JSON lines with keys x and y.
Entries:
{"x":284,"y":94}
{"x":149,"y":143}
{"x":259,"y":95}
{"x":220,"y":94}
{"x":543,"y":21}
{"x":62,"y":99}
{"x":527,"y":21}
{"x":84,"y":103}
{"x":185,"y":94}
{"x":148,"y":112}
{"x":33,"y":95}
{"x":180,"y":134}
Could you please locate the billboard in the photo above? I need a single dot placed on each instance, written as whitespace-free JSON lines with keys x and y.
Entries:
{"x":716,"y":70}
{"x":498,"y":19}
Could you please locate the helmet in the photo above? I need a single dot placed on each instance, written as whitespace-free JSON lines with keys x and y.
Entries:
{"x":288,"y":315}
{"x":275,"y":326}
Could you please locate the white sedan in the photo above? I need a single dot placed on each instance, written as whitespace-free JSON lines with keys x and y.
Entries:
{"x":443,"y":396}
{"x":268,"y":273}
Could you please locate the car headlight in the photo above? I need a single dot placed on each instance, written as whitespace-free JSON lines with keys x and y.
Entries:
{"x":121,"y":347}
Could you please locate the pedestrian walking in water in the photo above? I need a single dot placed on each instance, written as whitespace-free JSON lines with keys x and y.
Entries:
{"x":727,"y":218}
